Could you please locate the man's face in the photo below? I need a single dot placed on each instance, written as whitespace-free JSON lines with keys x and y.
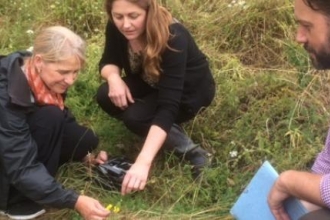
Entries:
{"x":314,"y":33}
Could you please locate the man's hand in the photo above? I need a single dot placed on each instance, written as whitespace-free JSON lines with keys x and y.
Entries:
{"x":91,"y":209}
{"x":276,"y":198}
{"x":291,"y":183}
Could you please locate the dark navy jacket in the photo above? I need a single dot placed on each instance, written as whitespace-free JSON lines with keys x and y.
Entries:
{"x":18,"y":150}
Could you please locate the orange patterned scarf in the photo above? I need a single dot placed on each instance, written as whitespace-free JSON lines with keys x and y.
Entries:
{"x":41,"y":93}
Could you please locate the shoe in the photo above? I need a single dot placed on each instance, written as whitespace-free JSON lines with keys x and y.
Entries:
{"x":24,"y":210}
{"x":183,"y":147}
{"x":199,"y":159}
{"x":2,"y":213}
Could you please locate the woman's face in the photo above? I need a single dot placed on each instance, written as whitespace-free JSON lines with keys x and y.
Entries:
{"x":59,"y":76}
{"x":129,"y":18}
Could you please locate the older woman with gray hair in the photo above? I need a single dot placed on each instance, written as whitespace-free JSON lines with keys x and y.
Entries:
{"x":37,"y":132}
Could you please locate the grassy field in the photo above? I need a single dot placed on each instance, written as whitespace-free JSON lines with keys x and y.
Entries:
{"x":270,"y":104}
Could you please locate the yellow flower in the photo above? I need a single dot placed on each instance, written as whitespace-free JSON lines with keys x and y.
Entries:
{"x":114,"y":209}
{"x":109,"y":207}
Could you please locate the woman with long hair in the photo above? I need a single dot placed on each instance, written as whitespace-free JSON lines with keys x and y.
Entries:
{"x":166,"y":81}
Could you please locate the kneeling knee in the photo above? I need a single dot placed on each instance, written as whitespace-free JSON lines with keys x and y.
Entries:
{"x":52,"y":116}
{"x":102,"y":94}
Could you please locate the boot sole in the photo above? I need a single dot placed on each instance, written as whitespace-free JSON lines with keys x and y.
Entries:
{"x":26,"y":217}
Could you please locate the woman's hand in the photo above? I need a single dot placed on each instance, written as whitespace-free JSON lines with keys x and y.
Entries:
{"x":135,"y":178}
{"x":119,"y":92}
{"x":101,"y":158}
{"x":91,"y":209}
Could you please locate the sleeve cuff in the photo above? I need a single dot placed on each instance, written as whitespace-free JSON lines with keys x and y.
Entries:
{"x":325,"y":189}
{"x":72,"y":201}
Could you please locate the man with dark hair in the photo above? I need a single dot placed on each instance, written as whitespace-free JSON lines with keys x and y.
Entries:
{"x":313,"y":188}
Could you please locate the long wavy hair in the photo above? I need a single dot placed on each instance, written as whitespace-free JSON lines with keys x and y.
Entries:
{"x":156,"y":36}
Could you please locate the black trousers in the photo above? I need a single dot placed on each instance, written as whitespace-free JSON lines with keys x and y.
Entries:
{"x":139,"y":115}
{"x":59,"y":138}
{"x":322,"y":214}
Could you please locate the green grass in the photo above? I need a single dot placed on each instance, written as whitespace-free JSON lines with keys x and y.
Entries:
{"x":269,"y":104}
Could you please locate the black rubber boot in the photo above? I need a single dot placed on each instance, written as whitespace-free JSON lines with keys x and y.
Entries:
{"x":183,"y":147}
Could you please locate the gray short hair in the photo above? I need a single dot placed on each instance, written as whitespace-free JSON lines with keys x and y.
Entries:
{"x":58,"y":43}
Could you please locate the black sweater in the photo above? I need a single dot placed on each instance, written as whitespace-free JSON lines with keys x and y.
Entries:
{"x":185,"y":78}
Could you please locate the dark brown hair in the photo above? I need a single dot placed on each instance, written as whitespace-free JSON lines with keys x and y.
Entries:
{"x":322,"y":6}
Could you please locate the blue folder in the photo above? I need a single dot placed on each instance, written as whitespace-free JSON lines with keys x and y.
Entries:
{"x":252,"y":203}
